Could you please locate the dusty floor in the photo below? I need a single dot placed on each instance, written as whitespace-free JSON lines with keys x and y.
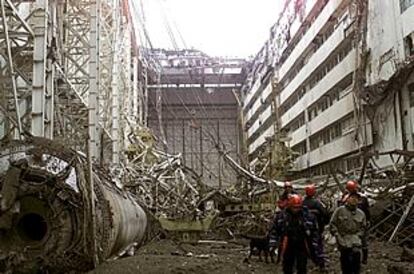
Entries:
{"x":165,"y":256}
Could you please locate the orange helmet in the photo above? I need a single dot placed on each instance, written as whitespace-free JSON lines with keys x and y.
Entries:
{"x":352,"y":186}
{"x":288,"y":184}
{"x":295,"y":200}
{"x":310,"y":190}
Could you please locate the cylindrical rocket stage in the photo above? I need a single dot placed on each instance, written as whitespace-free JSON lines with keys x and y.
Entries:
{"x":45,"y":216}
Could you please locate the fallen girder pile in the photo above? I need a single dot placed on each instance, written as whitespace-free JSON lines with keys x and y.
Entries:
{"x":47,"y":221}
{"x":390,"y":191}
{"x":166,"y":188}
{"x":244,"y":223}
{"x":163,"y":184}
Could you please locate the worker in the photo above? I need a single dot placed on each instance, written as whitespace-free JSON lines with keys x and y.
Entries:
{"x":288,"y":190}
{"x":352,"y":187}
{"x":317,"y":208}
{"x":296,"y":232}
{"x":348,"y":225}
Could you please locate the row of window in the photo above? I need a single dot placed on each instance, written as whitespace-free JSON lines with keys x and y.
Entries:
{"x":319,"y":40}
{"x":300,"y":148}
{"x":332,"y":132}
{"x":345,"y":165}
{"x":330,"y":98}
{"x":296,"y":123}
{"x":327,"y":135}
{"x":306,"y":26}
{"x":325,"y":102}
{"x":316,"y":77}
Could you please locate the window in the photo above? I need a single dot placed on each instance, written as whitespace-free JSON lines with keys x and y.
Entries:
{"x":409,"y":45}
{"x":300,"y":148}
{"x":323,"y":105}
{"x":297,"y":123}
{"x":313,"y":112}
{"x":311,"y":82}
{"x":353,"y":163}
{"x":326,"y":138}
{"x":336,"y":131}
{"x":348,"y":124}
{"x":314,"y":142}
{"x":411,"y":91}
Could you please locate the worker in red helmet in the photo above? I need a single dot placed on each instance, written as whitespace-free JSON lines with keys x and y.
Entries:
{"x":348,"y":225}
{"x":288,"y":190}
{"x":296,"y":232}
{"x":317,"y":208}
{"x":352,"y":187}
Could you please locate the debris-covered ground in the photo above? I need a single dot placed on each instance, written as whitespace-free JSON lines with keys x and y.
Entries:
{"x":166,"y":256}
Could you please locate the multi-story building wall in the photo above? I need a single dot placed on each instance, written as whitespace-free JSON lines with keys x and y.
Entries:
{"x":390,"y":74}
{"x":321,"y":59}
{"x":194,"y":107}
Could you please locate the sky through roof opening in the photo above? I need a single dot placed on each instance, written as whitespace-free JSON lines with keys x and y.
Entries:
{"x":230,"y":28}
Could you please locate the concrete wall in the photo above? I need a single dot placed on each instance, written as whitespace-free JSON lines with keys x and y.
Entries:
{"x":393,"y":125}
{"x":385,"y":41}
{"x":394,"y":119}
{"x":190,"y":116}
{"x":340,"y":147}
{"x":331,"y":79}
{"x":310,"y":35}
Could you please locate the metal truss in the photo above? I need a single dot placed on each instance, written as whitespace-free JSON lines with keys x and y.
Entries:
{"x":70,"y":70}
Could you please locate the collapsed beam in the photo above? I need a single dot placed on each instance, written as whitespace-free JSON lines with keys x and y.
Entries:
{"x":45,"y":214}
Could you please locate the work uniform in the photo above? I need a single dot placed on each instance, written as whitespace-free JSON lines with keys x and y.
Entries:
{"x":348,"y":226}
{"x":298,"y":238}
{"x":363,"y":205}
{"x":316,"y":208}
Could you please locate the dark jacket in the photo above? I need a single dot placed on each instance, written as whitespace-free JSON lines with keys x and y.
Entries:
{"x":298,"y":230}
{"x":318,"y":210}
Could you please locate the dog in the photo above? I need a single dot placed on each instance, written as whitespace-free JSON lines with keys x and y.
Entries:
{"x":260,"y":244}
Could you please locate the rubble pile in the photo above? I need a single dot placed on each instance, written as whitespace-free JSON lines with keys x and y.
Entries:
{"x":244,"y":223}
{"x":171,"y":190}
{"x":160,"y":181}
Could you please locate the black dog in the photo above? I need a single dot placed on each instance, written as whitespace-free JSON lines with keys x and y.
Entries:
{"x":261,"y":244}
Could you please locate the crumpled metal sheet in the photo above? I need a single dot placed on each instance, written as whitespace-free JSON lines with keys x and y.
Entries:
{"x":45,"y":222}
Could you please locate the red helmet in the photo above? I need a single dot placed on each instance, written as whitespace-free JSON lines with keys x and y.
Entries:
{"x":352,"y":186}
{"x":295,"y":200}
{"x":310,"y":190}
{"x":288,"y":184}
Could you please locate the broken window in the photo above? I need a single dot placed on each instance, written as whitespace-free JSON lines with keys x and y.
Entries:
{"x":405,"y":4}
{"x":411,"y":91}
{"x":313,"y":112}
{"x":300,"y":148}
{"x":336,"y":131}
{"x":348,"y":124}
{"x":314,"y":142}
{"x":409,"y":45}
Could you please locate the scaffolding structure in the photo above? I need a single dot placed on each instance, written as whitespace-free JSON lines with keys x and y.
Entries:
{"x":72,"y":70}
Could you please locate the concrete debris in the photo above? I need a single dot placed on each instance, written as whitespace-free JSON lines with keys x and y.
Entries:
{"x":45,"y":212}
{"x":175,"y":193}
